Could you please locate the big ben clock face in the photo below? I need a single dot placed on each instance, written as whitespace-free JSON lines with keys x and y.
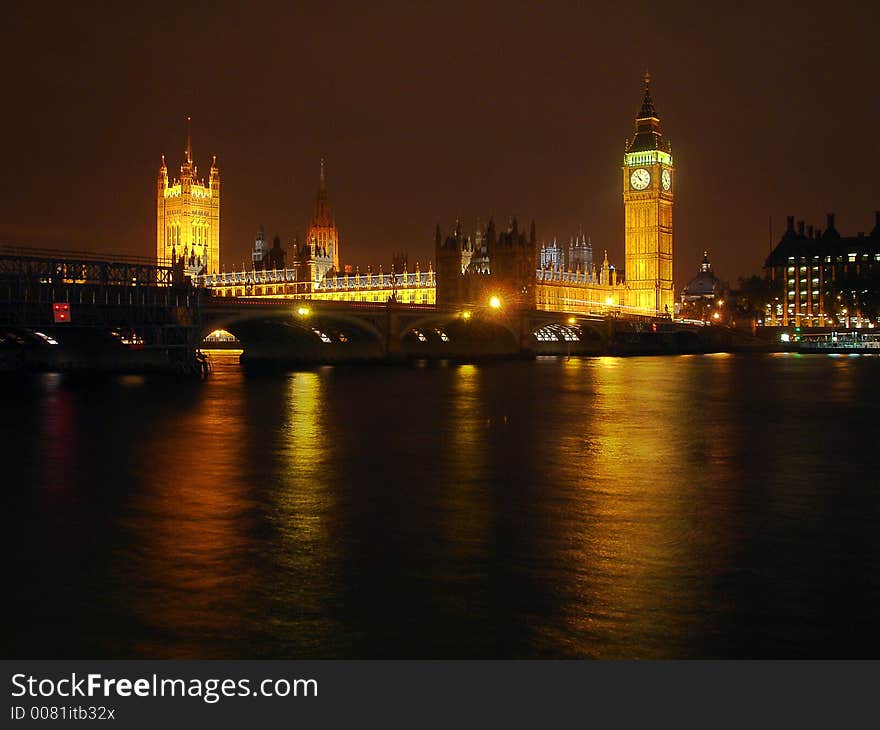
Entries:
{"x":640,"y":179}
{"x":666,"y":179}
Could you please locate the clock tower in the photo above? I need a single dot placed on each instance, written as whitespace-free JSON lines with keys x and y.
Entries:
{"x":648,"y":187}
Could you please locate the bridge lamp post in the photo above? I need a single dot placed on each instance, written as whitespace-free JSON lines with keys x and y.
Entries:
{"x":465,"y":314}
{"x":303,"y":311}
{"x":495,"y":302}
{"x":572,"y":320}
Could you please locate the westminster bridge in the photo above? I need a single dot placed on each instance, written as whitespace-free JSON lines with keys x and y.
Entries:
{"x":290,"y":332}
{"x":63,"y":311}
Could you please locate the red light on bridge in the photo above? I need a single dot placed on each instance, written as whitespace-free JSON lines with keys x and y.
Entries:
{"x":61,"y":311}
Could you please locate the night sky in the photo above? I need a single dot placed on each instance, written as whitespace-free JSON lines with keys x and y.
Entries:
{"x":427,"y":112}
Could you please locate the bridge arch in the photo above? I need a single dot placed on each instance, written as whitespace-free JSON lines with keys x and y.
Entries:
{"x":567,"y":334}
{"x":298,"y":333}
{"x":456,"y":333}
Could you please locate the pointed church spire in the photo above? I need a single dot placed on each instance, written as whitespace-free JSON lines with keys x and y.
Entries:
{"x":648,"y":135}
{"x":323,"y":235}
{"x":189,"y":158}
{"x":323,"y":216}
{"x":648,"y":109}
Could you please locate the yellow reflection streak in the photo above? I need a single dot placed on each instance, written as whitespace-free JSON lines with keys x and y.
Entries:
{"x":189,"y":535}
{"x":632,"y":528}
{"x":303,"y":506}
{"x":465,"y":518}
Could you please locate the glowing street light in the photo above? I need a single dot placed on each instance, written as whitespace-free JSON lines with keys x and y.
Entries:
{"x":495,"y":302}
{"x":465,"y":314}
{"x":303,"y":311}
{"x":572,"y":320}
{"x":609,"y":301}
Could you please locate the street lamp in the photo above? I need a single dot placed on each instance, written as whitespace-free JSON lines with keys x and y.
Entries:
{"x":303,"y":311}
{"x":495,"y":302}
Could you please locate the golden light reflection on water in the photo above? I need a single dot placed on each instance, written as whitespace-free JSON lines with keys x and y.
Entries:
{"x":302,"y":501}
{"x":635,"y":515}
{"x":189,"y":529}
{"x":612,"y":507}
{"x":465,"y":501}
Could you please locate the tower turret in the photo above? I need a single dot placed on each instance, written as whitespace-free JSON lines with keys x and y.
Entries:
{"x":188,"y":214}
{"x":322,"y":233}
{"x":648,"y":177}
{"x":163,"y":174}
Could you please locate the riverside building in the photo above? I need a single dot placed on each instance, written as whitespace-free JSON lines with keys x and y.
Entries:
{"x":821,"y":275}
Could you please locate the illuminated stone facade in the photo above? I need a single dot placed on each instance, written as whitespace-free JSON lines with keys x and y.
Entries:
{"x":592,"y":290}
{"x":648,"y":188}
{"x":472,"y":269}
{"x":407,"y":287}
{"x":188,"y":216}
{"x":507,"y":263}
{"x":578,"y":255}
{"x":315,"y":271}
{"x":321,"y":248}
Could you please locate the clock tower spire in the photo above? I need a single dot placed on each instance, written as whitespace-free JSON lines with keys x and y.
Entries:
{"x":648,"y":174}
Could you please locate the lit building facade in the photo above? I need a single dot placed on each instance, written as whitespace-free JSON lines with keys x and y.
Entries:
{"x":594,"y":290}
{"x":472,"y":269}
{"x":578,"y":254}
{"x":819,"y":275}
{"x":505,"y":262}
{"x":188,"y":216}
{"x":648,"y":186}
{"x":315,"y":272}
{"x":321,"y":247}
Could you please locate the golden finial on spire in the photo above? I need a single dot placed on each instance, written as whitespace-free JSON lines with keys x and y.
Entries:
{"x":647,"y":78}
{"x":188,"y":140}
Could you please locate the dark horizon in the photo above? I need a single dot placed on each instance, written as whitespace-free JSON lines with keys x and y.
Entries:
{"x":427,"y":114}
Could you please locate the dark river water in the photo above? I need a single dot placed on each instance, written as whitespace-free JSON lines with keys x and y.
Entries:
{"x":702,"y":506}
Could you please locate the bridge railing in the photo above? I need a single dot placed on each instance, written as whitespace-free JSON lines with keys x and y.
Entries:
{"x":48,"y":266}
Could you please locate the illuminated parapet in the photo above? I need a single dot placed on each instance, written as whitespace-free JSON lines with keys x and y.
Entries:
{"x":418,"y":287}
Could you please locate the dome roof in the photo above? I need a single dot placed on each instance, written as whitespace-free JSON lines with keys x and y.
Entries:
{"x":705,"y":283}
{"x":702,"y":285}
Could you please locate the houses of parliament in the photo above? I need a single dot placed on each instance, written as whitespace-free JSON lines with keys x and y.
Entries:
{"x":490,"y":260}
